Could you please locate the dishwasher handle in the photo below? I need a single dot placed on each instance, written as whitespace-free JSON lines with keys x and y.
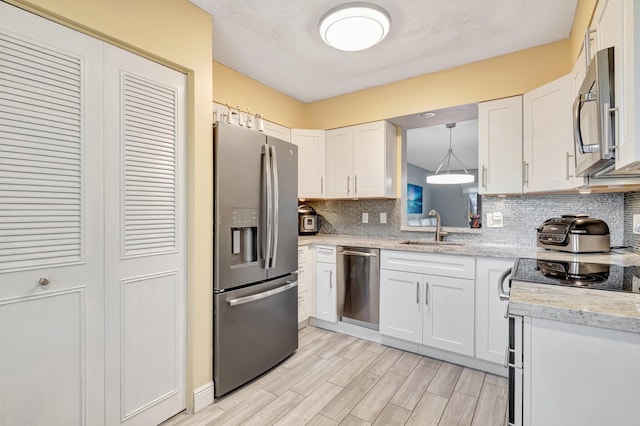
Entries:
{"x":357,"y":253}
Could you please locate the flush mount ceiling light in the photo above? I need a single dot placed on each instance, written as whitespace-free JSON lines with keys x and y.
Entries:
{"x":354,"y":26}
{"x":447,"y":177}
{"x":428,"y":114}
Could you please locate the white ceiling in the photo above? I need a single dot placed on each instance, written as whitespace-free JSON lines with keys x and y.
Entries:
{"x":277,"y":41}
{"x":426,"y":146}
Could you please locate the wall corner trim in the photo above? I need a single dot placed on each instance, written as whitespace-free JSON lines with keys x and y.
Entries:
{"x":202,"y":397}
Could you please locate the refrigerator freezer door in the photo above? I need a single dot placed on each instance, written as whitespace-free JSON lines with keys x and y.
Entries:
{"x":238,"y":192}
{"x":254,"y":329}
{"x":284,"y":258}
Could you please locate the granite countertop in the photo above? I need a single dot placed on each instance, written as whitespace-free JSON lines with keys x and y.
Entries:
{"x":605,"y":309}
{"x":615,"y":257}
{"x":597,"y":308}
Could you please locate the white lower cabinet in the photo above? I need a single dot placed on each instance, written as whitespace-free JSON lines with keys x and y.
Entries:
{"x":400,"y":307}
{"x":447,"y":320}
{"x":425,"y":308}
{"x":326,"y":292}
{"x":491,"y":324}
{"x":306,"y":279}
{"x":579,"y":375}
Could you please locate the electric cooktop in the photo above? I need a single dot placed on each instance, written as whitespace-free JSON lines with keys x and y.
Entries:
{"x":597,"y":276}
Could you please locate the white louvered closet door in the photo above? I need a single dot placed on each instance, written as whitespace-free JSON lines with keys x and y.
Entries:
{"x":145,"y":251}
{"x":51,"y":335}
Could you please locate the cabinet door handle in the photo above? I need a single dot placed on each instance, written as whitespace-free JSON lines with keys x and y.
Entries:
{"x":348,"y":184}
{"x":321,"y":185}
{"x":587,"y":46}
{"x":525,"y":173}
{"x":568,"y":165}
{"x":418,"y":292}
{"x":330,"y":279}
{"x":506,"y":357}
{"x":426,"y":294}
{"x":484,"y":177}
{"x":355,"y":185}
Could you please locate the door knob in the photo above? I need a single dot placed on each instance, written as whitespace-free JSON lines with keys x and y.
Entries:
{"x":43,"y":282}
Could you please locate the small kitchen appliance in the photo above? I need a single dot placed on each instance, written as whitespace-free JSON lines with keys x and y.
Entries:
{"x":575,"y":234}
{"x":307,"y":220}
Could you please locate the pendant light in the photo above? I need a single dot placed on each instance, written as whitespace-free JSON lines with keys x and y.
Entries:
{"x":354,"y":26}
{"x":447,"y":177}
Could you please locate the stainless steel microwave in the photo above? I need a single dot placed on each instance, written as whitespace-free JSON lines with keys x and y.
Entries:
{"x":593,"y":117}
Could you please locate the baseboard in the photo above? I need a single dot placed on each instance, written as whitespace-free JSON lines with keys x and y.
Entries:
{"x":302,"y":324}
{"x":464,"y":360}
{"x":375,"y":336}
{"x":202,"y":397}
{"x":358,"y":331}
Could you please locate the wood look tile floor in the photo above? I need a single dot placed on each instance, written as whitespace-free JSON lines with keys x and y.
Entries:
{"x":335,"y":379}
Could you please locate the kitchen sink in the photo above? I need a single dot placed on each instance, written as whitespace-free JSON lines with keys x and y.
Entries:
{"x":431,"y":243}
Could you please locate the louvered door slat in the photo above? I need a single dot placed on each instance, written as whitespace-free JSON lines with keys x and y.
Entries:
{"x":40,"y":155}
{"x":149,"y":197}
{"x":40,"y":100}
{"x":35,"y":84}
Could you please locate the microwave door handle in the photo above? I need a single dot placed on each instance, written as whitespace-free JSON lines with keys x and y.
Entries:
{"x":577,"y":106}
{"x":268,"y":183}
{"x":275,"y":206}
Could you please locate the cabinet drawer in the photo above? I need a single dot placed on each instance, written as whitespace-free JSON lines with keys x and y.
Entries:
{"x":303,"y":253}
{"x":447,"y":265}
{"x":326,"y":254}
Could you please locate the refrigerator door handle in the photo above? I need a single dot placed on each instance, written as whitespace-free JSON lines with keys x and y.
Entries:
{"x":269,"y":188}
{"x":263,"y":295}
{"x":276,"y":206}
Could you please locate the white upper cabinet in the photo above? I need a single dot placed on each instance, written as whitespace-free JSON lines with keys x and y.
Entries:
{"x":616,"y":24}
{"x":311,"y":162}
{"x":548,"y":137}
{"x":500,"y":146}
{"x":361,"y":161}
{"x":277,"y":131}
{"x":577,"y":73}
{"x":340,"y":163}
{"x":374,"y":160}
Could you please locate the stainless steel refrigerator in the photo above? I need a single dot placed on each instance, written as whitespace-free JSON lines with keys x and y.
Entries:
{"x":255,"y":295}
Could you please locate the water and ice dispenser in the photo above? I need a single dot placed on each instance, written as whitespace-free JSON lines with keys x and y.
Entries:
{"x":244,"y":236}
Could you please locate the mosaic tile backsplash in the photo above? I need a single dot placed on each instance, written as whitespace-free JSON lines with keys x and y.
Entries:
{"x":631,"y":207}
{"x":522,"y":215}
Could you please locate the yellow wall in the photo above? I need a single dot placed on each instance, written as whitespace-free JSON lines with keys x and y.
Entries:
{"x":584,"y":13}
{"x":179,"y":34}
{"x":493,"y":78}
{"x":231,"y":87}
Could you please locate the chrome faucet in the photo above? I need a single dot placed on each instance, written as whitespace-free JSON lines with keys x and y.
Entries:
{"x":437,"y":215}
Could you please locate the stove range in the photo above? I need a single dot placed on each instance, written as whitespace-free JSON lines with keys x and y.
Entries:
{"x":597,"y":276}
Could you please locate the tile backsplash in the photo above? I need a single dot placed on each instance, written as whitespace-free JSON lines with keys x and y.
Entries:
{"x":522,"y":215}
{"x":631,"y":207}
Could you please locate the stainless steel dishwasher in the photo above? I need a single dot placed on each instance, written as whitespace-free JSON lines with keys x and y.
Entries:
{"x":358,"y":274}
